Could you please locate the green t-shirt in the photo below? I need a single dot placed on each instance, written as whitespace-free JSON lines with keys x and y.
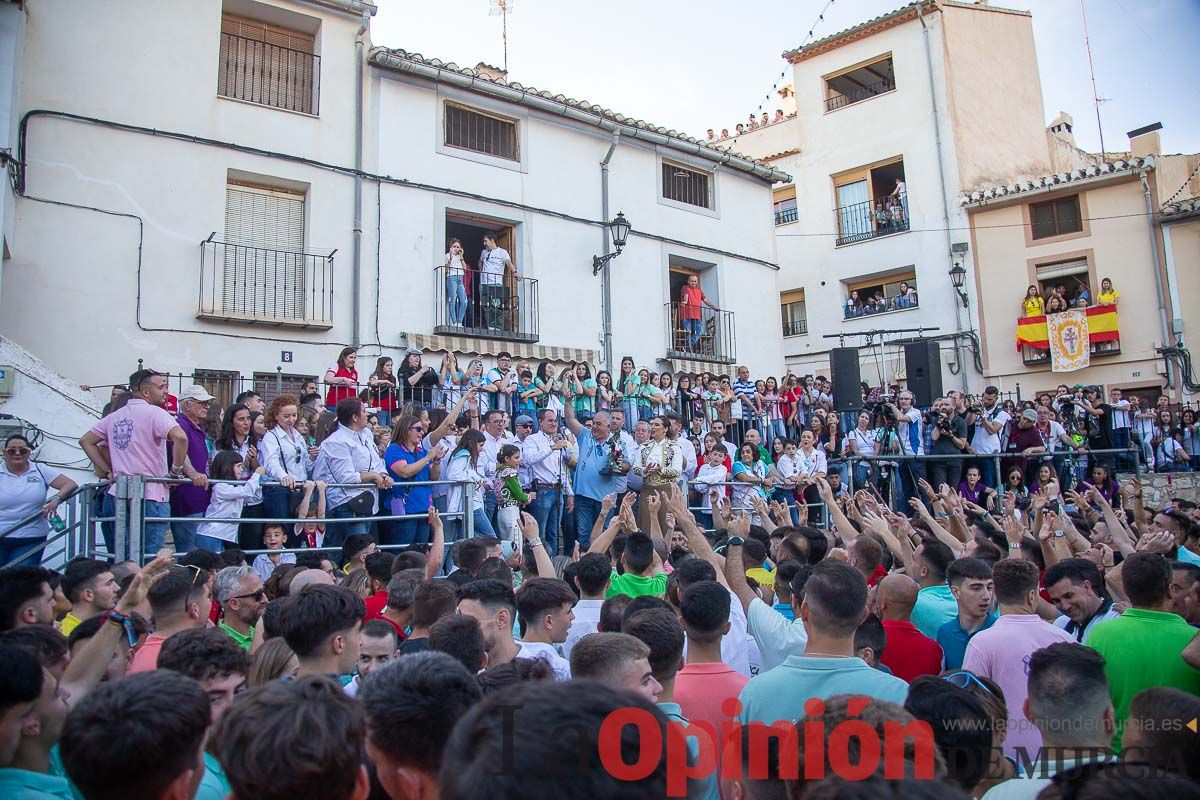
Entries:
{"x":242,"y":641}
{"x":1159,"y":637}
{"x":637,"y":585}
{"x":582,"y":401}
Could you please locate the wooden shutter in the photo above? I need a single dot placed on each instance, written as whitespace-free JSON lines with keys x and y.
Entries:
{"x":264,"y":252}
{"x":266,"y":64}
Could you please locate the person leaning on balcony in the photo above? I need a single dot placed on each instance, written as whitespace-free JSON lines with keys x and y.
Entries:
{"x":23,"y":488}
{"x":1056,"y":304}
{"x":691,"y":300}
{"x":907,"y":297}
{"x":1033,"y":305}
{"x":497,"y":264}
{"x":457,"y":279}
{"x":853,"y":305}
{"x":341,"y":378}
{"x":1108,"y":295}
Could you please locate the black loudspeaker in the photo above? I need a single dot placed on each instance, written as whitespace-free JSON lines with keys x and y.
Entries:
{"x":923,"y":364}
{"x":843,"y":366}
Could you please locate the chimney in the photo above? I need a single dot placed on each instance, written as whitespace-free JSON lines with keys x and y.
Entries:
{"x":1145,"y":141}
{"x":1061,"y":127}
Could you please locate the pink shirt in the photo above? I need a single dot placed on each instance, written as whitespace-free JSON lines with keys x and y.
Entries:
{"x":1002,"y":653}
{"x":700,"y":689}
{"x":146,"y":658}
{"x":136,"y":436}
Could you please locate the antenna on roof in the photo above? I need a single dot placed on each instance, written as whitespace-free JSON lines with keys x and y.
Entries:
{"x":502,"y":8}
{"x":1095,"y":96}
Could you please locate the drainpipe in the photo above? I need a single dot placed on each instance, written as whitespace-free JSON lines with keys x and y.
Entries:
{"x":1172,"y":284}
{"x":937,"y":135}
{"x":359,"y":58}
{"x":1158,"y":288}
{"x":606,"y":273}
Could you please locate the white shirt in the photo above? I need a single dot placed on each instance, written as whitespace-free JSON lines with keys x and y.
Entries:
{"x":343,"y":456}
{"x":631,"y":449}
{"x":689,"y":455}
{"x":705,"y":478}
{"x":284,"y":454}
{"x":1120,"y":414}
{"x":493,"y":267}
{"x":1053,"y":443}
{"x":904,"y":431}
{"x":543,"y":462}
{"x":809,"y":465}
{"x":460,"y":469}
{"x":21,"y":495}
{"x":864,"y":441}
{"x":586,"y":622}
{"x":491,"y":449}
{"x":1063,"y":621}
{"x":776,"y":635}
{"x":986,"y":443}
{"x":663,"y":454}
{"x":549,"y":654}
{"x":227,"y":502}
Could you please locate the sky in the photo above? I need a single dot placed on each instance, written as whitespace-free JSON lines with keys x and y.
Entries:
{"x":692,"y":65}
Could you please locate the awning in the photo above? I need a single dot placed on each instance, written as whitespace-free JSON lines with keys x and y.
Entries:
{"x":470,"y":345}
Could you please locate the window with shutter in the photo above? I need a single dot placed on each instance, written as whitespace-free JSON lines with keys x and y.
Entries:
{"x":264,"y":262}
{"x":685,"y":185}
{"x":481,"y":133}
{"x":266,"y":64}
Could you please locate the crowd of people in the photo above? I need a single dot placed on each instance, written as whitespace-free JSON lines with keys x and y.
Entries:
{"x":1059,"y":298}
{"x":753,"y":123}
{"x":705,"y":571}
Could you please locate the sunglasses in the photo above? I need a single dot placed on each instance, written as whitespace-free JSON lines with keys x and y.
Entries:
{"x":964,"y":679}
{"x":258,"y":596}
{"x":18,"y":451}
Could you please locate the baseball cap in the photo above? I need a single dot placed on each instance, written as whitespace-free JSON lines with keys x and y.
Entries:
{"x":1029,"y":414}
{"x":523,"y":419}
{"x":196,"y":393}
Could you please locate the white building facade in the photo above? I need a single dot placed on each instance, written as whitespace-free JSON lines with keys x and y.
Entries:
{"x":230,"y":207}
{"x":897,"y":98}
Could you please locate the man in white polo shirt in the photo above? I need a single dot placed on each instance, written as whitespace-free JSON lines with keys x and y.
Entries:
{"x":496,"y":262}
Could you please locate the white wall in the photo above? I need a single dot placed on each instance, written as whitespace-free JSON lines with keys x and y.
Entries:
{"x":900,"y":123}
{"x":12,"y":42}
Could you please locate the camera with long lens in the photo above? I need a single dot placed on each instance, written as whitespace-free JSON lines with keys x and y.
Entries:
{"x":940,"y":421}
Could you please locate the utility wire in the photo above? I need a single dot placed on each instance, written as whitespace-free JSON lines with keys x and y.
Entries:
{"x":981,"y":227}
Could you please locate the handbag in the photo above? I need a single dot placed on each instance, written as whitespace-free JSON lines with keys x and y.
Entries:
{"x":362,"y":504}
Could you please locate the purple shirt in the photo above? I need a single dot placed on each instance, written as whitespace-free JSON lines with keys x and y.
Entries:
{"x":185,"y":498}
{"x":136,"y":436}
{"x":1002,"y":653}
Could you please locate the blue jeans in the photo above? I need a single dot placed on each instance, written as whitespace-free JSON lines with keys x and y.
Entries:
{"x":184,"y":533}
{"x":1120,"y":437}
{"x":694,"y":328}
{"x":412,"y":531}
{"x":910,"y":472}
{"x":11,"y":548}
{"x":483,"y":526}
{"x":385,"y":419}
{"x":987,"y":472}
{"x":276,"y":502}
{"x":456,"y":299}
{"x":586,"y":512}
{"x":489,"y":510}
{"x":336,"y":533}
{"x":154,"y":534}
{"x":631,"y":416}
{"x":547,"y":510}
{"x":211,"y":543}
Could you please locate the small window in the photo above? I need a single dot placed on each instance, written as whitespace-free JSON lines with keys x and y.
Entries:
{"x":795,"y":317}
{"x":265,"y":385}
{"x":268,"y":65}
{"x":1056,"y":217}
{"x":894,"y":292}
{"x":1070,"y":279}
{"x":785,"y":205}
{"x":481,"y":133}
{"x":685,"y":185}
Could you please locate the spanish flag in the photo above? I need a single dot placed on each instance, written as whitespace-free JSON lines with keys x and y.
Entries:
{"x":1102,"y":327}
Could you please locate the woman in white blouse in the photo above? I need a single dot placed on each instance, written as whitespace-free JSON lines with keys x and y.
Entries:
{"x":810,"y":465}
{"x":286,"y":457}
{"x":465,"y":468}
{"x":660,"y":465}
{"x":861,"y":442}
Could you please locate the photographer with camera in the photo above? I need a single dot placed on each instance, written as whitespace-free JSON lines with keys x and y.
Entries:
{"x":949,"y":437}
{"x":989,"y":419}
{"x":910,"y":436}
{"x":1098,"y":426}
{"x":1058,"y":445}
{"x":1024,"y":440}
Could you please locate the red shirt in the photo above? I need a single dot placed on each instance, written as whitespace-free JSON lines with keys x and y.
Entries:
{"x":880,"y":574}
{"x":339,"y":392}
{"x":700,"y":689}
{"x":909,"y":654}
{"x":376,"y":603}
{"x":171,"y":404}
{"x":689,"y":308}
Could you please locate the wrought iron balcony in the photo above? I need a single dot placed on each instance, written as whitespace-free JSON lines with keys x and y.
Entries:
{"x":467,"y":303}
{"x":1034,"y":356}
{"x":785,"y":215}
{"x":710,"y":338}
{"x":795,"y":327}
{"x":858,"y":95}
{"x":859,"y":222}
{"x":242,"y":283}
{"x":269,"y":74}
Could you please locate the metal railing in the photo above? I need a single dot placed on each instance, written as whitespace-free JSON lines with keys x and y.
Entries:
{"x":795,"y":327}
{"x":469,"y":303}
{"x":859,"y":222}
{"x":870,"y":90}
{"x":242,"y":283}
{"x":898,"y":303}
{"x":785,"y":215}
{"x":714,"y":340}
{"x":269,"y":74}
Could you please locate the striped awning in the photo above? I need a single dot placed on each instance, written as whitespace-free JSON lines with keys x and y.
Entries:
{"x":470,"y":345}
{"x":693,"y":367}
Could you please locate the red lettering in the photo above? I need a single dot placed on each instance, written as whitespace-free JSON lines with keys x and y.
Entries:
{"x":678,"y":768}
{"x":868,"y":750}
{"x":611,"y":747}
{"x":896,"y":754}
{"x":789,"y":750}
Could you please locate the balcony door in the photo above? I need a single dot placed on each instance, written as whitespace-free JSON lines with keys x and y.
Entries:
{"x":263,"y":272}
{"x":854,"y":210}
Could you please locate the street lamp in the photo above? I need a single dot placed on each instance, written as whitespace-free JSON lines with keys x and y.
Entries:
{"x":619,"y":230}
{"x":957,"y":276}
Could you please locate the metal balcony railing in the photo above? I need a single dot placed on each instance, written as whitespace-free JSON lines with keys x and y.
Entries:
{"x":712,"y":339}
{"x":869,"y":220}
{"x":269,"y":74}
{"x":785,"y":215}
{"x":242,"y":283}
{"x":467,"y":303}
{"x":795,"y":327}
{"x":858,"y":95}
